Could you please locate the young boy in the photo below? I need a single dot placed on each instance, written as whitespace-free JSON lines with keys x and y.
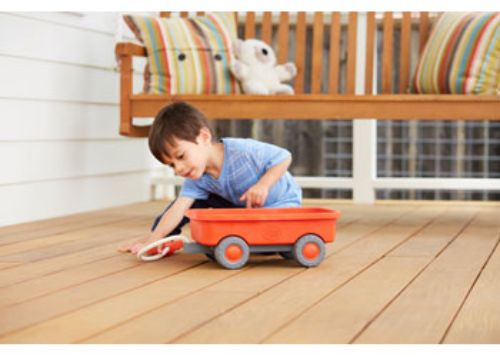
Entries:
{"x":230,"y":173}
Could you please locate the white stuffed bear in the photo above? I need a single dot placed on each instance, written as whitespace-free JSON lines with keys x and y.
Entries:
{"x":255,"y":67}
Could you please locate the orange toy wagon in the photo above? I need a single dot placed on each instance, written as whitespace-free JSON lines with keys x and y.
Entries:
{"x":230,"y":235}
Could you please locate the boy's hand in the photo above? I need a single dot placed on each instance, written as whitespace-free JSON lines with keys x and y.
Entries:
{"x":126,"y":247}
{"x":255,"y":196}
{"x":134,"y":247}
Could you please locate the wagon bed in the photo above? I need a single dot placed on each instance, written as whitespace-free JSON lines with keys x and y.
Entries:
{"x":262,"y":226}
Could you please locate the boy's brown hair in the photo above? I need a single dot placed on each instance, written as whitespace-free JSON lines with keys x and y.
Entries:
{"x":178,"y":120}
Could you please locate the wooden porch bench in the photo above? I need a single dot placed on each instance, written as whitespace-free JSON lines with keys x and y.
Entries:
{"x":358,"y":100}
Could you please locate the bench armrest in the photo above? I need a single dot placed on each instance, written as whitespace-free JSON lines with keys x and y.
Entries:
{"x":129,"y":49}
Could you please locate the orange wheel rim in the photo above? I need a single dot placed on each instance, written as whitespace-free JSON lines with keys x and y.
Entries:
{"x":233,"y":253}
{"x":310,"y":250}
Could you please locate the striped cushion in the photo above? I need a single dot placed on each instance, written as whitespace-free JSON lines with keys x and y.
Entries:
{"x":462,"y":56}
{"x":187,"y":55}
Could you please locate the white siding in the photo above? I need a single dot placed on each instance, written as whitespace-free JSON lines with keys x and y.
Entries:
{"x":60,"y":151}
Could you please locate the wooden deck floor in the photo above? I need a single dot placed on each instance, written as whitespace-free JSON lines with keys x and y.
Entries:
{"x":397,"y":273}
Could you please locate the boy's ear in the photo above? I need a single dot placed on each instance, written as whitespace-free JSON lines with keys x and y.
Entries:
{"x":205,"y":136}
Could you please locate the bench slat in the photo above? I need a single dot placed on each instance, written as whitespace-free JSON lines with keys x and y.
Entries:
{"x":351,"y":53}
{"x":404,"y":56}
{"x":283,"y":38}
{"x":317,"y":53}
{"x":333,"y":72}
{"x":387,"y":51}
{"x":321,"y":106}
{"x":424,"y":30}
{"x":267,"y":28}
{"x":370,"y":50}
{"x":300,"y":52}
{"x":250,"y":25}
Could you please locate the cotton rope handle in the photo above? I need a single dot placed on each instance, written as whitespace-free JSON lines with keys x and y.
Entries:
{"x":141,"y":254}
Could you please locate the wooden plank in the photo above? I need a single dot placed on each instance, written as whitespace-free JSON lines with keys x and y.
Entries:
{"x":300,"y":52}
{"x":250,"y":25}
{"x":267,"y":27}
{"x":45,"y":246}
{"x":293,"y":297}
{"x":352,"y":30}
{"x":317,"y":53}
{"x":4,"y":265}
{"x":27,"y":272}
{"x":185,"y":311}
{"x":431,"y":241}
{"x":67,"y":278}
{"x":387,"y":52}
{"x":283,"y":37}
{"x":370,"y":49}
{"x":423,"y":312}
{"x":404,"y":55}
{"x":16,"y":317}
{"x":423,"y":30}
{"x":126,"y":89}
{"x":109,"y":313}
{"x":478,"y":321}
{"x":315,"y":107}
{"x":342,"y":315}
{"x":165,"y":14}
{"x":101,"y":231}
{"x":68,"y":242}
{"x":184,"y":14}
{"x":130,"y":49}
{"x":334,"y":54}
{"x":38,"y":229}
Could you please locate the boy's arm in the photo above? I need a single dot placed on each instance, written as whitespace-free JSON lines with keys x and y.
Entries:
{"x":167,"y":224}
{"x":256,"y":195}
{"x":171,"y":218}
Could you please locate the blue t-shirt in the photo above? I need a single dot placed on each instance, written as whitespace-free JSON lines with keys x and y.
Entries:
{"x":245,"y":162}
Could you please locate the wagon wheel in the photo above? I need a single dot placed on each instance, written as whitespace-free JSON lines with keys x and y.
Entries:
{"x":232,"y":253}
{"x":309,"y":250}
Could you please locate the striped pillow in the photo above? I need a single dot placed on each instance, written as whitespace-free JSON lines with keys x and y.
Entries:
{"x":187,"y":55}
{"x":462,"y":56}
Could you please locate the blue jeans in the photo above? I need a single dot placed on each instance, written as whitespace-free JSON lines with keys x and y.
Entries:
{"x":213,"y":201}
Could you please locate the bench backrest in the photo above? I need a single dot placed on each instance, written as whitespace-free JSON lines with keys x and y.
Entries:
{"x":324,"y":42}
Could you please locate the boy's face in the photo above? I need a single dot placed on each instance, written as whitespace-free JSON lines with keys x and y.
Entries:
{"x":189,"y":159}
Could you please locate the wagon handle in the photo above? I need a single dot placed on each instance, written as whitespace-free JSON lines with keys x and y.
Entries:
{"x":141,"y":254}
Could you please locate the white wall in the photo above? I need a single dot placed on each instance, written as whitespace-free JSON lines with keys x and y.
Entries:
{"x":60,"y":151}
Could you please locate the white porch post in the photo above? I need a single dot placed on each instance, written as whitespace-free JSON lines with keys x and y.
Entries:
{"x":364,"y":135}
